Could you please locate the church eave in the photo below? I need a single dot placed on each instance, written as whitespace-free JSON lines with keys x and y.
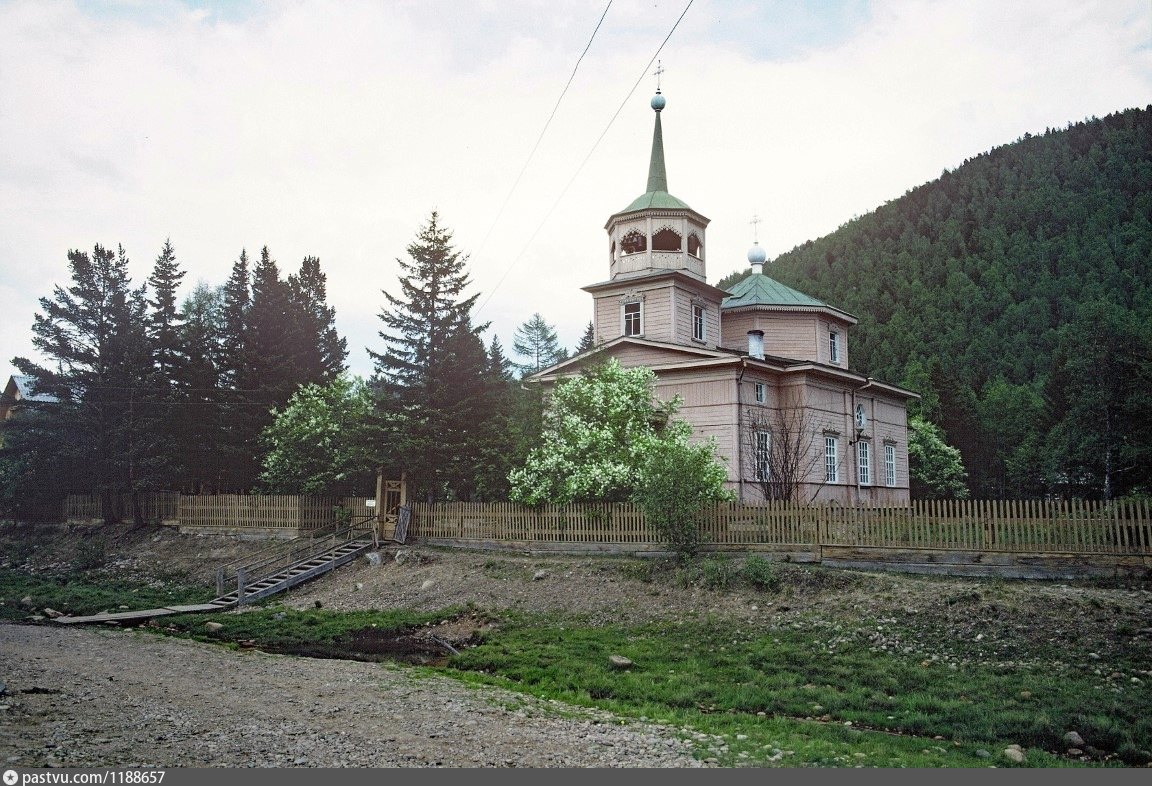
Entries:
{"x":655,"y":275}
{"x":832,"y":311}
{"x":663,"y":212}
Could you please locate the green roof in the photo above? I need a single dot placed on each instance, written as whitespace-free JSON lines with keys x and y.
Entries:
{"x":759,"y":290}
{"x":655,"y":199}
{"x":657,"y":193}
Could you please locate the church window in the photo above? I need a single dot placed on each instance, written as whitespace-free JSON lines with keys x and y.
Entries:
{"x":634,"y":242}
{"x":633,"y":319}
{"x":864,"y":462}
{"x":831,"y":459}
{"x":889,"y":465}
{"x":666,"y":239}
{"x":695,"y":247}
{"x":761,"y":393}
{"x":698,"y":324}
{"x":833,"y":347}
{"x":763,"y":455}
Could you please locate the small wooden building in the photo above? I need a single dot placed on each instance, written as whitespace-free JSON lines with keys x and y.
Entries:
{"x":760,"y":368}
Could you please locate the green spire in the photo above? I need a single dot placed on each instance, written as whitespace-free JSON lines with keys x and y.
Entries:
{"x":657,"y":174}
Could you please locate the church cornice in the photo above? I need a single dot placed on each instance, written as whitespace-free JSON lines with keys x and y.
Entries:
{"x":662,"y":212}
{"x":831,"y":311}
{"x":632,"y":282}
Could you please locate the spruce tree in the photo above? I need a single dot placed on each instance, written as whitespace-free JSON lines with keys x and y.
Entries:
{"x":321,"y":352}
{"x":235,"y":468}
{"x":237,"y":293}
{"x":432,"y":368}
{"x":164,"y":320}
{"x":203,"y":435}
{"x":588,"y":340}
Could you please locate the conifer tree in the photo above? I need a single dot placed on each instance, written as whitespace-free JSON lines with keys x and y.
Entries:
{"x":164,"y":320}
{"x":536,"y":341}
{"x":321,"y":353}
{"x":237,"y":296}
{"x":433,"y":371}
{"x":95,"y":434}
{"x":588,"y":340}
{"x":203,"y":435}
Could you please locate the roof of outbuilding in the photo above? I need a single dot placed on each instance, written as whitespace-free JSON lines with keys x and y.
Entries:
{"x":24,"y":385}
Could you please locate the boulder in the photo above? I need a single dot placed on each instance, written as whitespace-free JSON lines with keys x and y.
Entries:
{"x":213,"y":627}
{"x":1074,"y":739}
{"x":619,"y":662}
{"x":1014,"y":754}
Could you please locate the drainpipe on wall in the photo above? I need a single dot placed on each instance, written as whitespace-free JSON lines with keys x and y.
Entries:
{"x":740,"y":431}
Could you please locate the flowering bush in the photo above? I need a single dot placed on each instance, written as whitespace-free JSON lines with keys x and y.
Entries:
{"x":605,"y":439}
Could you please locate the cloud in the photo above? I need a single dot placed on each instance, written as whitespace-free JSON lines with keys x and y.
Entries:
{"x":334,"y":129}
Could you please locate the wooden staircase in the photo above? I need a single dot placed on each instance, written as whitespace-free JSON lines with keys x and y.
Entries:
{"x":298,"y":572}
{"x":271,"y":570}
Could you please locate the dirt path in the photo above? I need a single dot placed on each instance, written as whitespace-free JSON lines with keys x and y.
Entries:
{"x":84,"y":697}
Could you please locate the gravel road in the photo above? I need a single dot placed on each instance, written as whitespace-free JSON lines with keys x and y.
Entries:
{"x":84,"y":697}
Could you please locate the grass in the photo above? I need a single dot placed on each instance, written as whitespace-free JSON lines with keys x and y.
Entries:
{"x":809,"y":693}
{"x":712,"y":675}
{"x":80,"y":593}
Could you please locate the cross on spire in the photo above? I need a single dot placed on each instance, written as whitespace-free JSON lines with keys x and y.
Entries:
{"x":755,"y":228}
{"x":659,"y":70}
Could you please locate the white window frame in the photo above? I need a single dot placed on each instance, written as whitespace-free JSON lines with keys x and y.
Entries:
{"x":889,"y":464}
{"x":831,"y":458}
{"x":761,"y":393}
{"x":833,"y":346}
{"x":699,"y":322}
{"x":864,"y":462}
{"x":638,"y":305}
{"x":763,"y":456}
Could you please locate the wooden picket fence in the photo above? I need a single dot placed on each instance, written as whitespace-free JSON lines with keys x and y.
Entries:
{"x":1012,"y":526}
{"x":290,"y":514}
{"x":1033,"y":526}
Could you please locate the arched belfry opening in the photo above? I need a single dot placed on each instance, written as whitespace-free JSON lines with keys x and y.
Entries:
{"x":633,"y":242}
{"x":666,"y":239}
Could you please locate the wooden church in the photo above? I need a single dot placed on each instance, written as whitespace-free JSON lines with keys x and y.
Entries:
{"x":760,"y":368}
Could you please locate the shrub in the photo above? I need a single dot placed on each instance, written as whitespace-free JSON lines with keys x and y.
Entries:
{"x":718,"y":573}
{"x":760,"y":573}
{"x":90,"y":554}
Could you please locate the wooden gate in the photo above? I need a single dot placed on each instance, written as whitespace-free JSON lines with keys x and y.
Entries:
{"x":391,"y":496}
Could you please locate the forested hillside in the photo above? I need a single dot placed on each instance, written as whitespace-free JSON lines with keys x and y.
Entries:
{"x":1015,"y":294}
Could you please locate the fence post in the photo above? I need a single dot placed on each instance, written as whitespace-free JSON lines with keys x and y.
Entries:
{"x":219,"y":581}
{"x":241,"y":576}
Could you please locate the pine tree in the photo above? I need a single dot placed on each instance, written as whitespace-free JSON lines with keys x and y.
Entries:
{"x":95,"y":333}
{"x":536,"y":341}
{"x":432,"y":368}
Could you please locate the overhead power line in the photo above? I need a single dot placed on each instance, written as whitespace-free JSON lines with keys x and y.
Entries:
{"x":543,"y":131}
{"x":596,"y":144}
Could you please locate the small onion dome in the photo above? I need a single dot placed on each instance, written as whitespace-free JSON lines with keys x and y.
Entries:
{"x":658,"y":102}
{"x":757,"y":256}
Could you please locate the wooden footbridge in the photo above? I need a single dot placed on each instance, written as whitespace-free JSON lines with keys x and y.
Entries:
{"x":267,"y":572}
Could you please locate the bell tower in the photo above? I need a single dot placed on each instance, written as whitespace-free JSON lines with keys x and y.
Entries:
{"x":657,"y":232}
{"x":657,"y":289}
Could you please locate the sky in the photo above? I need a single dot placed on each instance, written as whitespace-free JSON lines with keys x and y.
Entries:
{"x":334,"y":129}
